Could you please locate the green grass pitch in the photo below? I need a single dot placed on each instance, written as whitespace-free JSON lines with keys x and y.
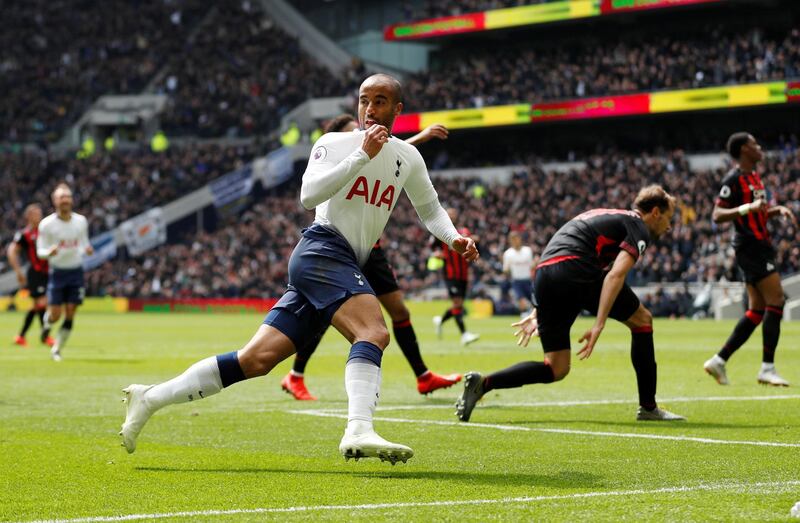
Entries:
{"x":246,"y":454}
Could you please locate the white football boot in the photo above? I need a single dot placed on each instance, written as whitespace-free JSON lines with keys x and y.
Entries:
{"x":137,"y":414}
{"x":370,"y":445}
{"x":55,"y":353}
{"x":715,"y":367}
{"x":769,"y":376}
{"x":469,"y":337}
{"x":437,"y":323}
{"x":657,"y":414}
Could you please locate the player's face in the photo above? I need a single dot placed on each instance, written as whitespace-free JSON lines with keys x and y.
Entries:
{"x":515,"y":240}
{"x":663,"y":221}
{"x":34,"y":216}
{"x":62,"y":200}
{"x":376,"y":105}
{"x":753,"y":150}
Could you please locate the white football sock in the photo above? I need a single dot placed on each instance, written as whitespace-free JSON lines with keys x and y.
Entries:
{"x":61,"y":339}
{"x":197,"y":382}
{"x":363,"y":384}
{"x":47,"y":324}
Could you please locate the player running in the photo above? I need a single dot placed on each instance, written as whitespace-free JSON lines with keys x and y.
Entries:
{"x":36,"y":278}
{"x":381,"y":278}
{"x":584,"y":267}
{"x":456,"y":278}
{"x":743,"y":201}
{"x":353,"y":180}
{"x":63,"y":241}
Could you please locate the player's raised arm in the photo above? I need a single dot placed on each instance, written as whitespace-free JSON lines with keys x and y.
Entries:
{"x":436,"y":130}
{"x":426,"y":202}
{"x":325,"y":176}
{"x":86,"y":244}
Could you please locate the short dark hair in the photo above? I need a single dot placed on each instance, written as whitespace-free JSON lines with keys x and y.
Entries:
{"x":653,"y":196}
{"x":735,"y":144}
{"x":338,"y":123}
{"x":391,"y":81}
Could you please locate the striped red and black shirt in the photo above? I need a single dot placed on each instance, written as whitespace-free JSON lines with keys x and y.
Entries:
{"x":26,"y":239}
{"x":455,"y":266}
{"x":739,"y":188}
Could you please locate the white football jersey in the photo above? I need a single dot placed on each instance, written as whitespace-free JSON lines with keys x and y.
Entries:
{"x":360,"y":208}
{"x":71,"y":237}
{"x":518,"y":262}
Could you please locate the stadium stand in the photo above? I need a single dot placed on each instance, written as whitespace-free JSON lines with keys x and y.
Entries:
{"x":474,"y":75}
{"x":63,"y":49}
{"x":243,"y":258}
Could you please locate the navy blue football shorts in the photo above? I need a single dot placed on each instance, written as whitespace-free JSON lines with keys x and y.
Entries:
{"x":323,"y":274}
{"x":65,"y":286}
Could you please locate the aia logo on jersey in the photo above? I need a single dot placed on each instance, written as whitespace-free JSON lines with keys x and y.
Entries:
{"x":375,"y":196}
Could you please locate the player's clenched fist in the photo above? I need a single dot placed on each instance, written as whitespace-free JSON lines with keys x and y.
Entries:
{"x":466,"y":247}
{"x":374,"y":138}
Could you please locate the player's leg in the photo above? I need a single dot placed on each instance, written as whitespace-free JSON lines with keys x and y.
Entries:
{"x":53,"y":314}
{"x":406,"y":338}
{"x":294,"y":382}
{"x":26,"y":324}
{"x":556,"y":314}
{"x":65,"y":330}
{"x":751,"y":319}
{"x":268,"y":347}
{"x":360,"y":321}
{"x":643,"y":357}
{"x":771,"y":289}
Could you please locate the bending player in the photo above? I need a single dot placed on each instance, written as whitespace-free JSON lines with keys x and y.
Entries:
{"x":353,"y":180}
{"x":571,"y":277}
{"x":381,"y":278}
{"x":743,"y":201}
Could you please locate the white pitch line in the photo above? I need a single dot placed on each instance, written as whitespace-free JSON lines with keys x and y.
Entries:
{"x":630,"y":435}
{"x":759,"y":487}
{"x":580,"y":403}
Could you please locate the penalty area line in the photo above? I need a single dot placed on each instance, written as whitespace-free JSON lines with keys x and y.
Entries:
{"x":604,"y":434}
{"x":758,"y":487}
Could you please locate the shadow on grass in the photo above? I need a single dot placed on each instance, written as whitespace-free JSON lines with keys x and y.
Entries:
{"x":562,"y":479}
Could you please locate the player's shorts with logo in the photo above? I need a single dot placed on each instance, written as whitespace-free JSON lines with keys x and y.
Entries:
{"x":563,"y":290}
{"x":456,"y":288}
{"x":65,"y":286}
{"x":756,"y":262}
{"x":323,"y":274}
{"x":37,"y":283}
{"x":379,"y":273}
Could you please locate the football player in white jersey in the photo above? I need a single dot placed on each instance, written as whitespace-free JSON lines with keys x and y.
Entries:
{"x":63,"y":241}
{"x":353,"y":180}
{"x":518,"y":264}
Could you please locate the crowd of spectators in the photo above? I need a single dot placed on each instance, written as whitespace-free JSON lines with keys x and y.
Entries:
{"x":58,"y":56}
{"x":110,"y":188}
{"x":240,"y":74}
{"x":466,"y":76}
{"x":248,"y":257}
